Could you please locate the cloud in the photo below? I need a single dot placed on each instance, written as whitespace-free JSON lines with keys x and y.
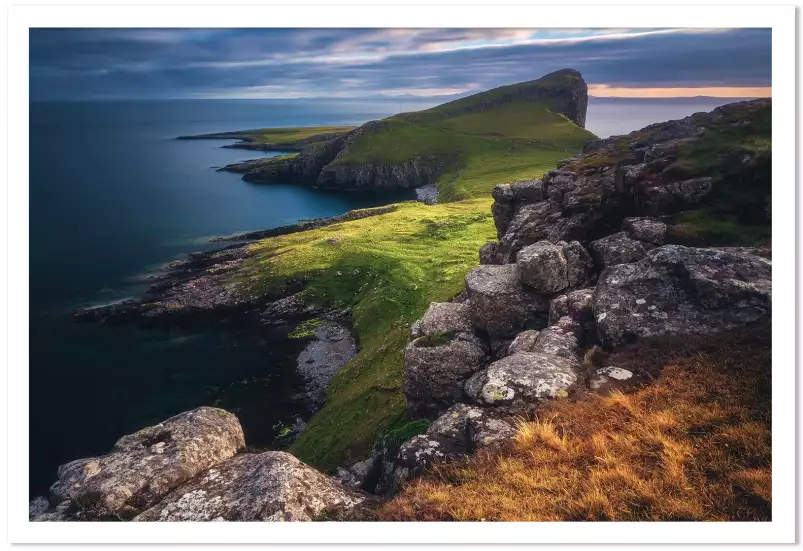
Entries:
{"x":176,"y":63}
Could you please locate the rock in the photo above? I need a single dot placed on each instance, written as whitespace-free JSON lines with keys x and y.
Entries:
{"x":435,"y":371}
{"x":524,"y":342}
{"x":609,"y":378}
{"x":455,"y":434}
{"x":444,"y":317}
{"x":561,"y":339}
{"x":579,"y":264}
{"x":357,"y":476}
{"x":617,"y":249}
{"x":575,"y":304}
{"x":270,"y":486}
{"x":142,"y":467}
{"x":332,"y":348}
{"x":488,"y":253}
{"x":509,"y":198}
{"x":498,"y":303}
{"x":691,"y":191}
{"x":525,"y":378}
{"x":648,"y":230}
{"x":38,"y":506}
{"x":679,"y":290}
{"x":528,"y":191}
{"x":542,"y":266}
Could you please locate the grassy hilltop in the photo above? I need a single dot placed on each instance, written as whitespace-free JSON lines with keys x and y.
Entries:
{"x":388,"y":268}
{"x":507,"y":134}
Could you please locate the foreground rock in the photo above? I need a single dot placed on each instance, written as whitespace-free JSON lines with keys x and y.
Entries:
{"x":270,"y":486}
{"x":679,"y":290}
{"x":523,"y":378}
{"x":143,"y":467}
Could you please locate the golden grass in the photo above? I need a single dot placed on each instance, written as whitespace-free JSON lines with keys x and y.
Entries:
{"x":692,"y":445}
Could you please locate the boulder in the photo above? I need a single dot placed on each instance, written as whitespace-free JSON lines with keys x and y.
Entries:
{"x":610,"y":378}
{"x":269,"y":486}
{"x":648,"y":230}
{"x":498,"y":302}
{"x":435,"y":369}
{"x":38,"y":506}
{"x":443,"y":317}
{"x":523,"y":378}
{"x":143,"y":467}
{"x":561,"y":339}
{"x":455,"y":434}
{"x":678,"y":290}
{"x":575,"y":304}
{"x":358,"y":475}
{"x":617,"y":249}
{"x":524,"y":342}
{"x":542,"y":267}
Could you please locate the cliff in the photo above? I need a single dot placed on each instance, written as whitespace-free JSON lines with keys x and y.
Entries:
{"x":521,"y":128}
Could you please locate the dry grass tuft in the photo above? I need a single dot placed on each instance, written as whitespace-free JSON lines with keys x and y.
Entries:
{"x":692,"y":445}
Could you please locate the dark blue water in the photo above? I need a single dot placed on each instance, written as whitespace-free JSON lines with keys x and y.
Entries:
{"x":112,"y":196}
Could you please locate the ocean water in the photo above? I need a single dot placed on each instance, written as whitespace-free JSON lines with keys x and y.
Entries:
{"x":114,"y":196}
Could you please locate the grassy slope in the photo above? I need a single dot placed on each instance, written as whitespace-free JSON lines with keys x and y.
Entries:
{"x":289,"y":134}
{"x":693,"y":445}
{"x":514,"y":141}
{"x":388,"y":269}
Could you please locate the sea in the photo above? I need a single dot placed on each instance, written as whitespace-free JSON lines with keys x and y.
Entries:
{"x":113,"y":197}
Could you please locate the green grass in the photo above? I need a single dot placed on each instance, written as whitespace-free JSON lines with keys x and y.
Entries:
{"x":289,"y":134}
{"x":705,"y":227}
{"x":513,"y":141}
{"x":387,"y":269}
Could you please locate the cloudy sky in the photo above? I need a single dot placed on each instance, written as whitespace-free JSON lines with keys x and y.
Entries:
{"x":292,"y":63}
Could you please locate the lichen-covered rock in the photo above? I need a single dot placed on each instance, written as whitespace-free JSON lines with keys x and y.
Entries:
{"x":525,"y":378}
{"x":560,"y":339}
{"x":142,"y":467}
{"x":270,"y":486}
{"x":575,"y":304}
{"x":435,"y":370}
{"x":456,"y":433}
{"x":524,"y":342}
{"x":443,"y":317}
{"x":617,"y":248}
{"x":678,"y":290}
{"x":610,"y":378}
{"x":509,"y":198}
{"x":542,"y":267}
{"x":357,"y":475}
{"x":498,"y":302}
{"x":648,"y":230}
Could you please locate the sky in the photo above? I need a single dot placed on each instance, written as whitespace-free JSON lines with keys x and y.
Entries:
{"x":86,"y":64}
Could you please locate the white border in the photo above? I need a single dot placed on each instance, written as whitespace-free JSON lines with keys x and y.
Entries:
{"x":780,"y":18}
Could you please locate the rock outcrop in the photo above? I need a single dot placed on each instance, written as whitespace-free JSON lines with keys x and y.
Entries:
{"x":190,"y":468}
{"x":678,"y":290}
{"x":269,"y":486}
{"x":142,"y":467}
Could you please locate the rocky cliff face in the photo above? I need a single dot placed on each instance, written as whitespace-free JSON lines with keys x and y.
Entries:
{"x":582,"y":262}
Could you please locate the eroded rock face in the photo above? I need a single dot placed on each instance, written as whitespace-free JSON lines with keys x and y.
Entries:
{"x":617,"y":249}
{"x":142,"y":467}
{"x":498,"y":302}
{"x":332,"y":348}
{"x":270,"y":486}
{"x":435,"y":371}
{"x":678,"y":290}
{"x":523,"y":378}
